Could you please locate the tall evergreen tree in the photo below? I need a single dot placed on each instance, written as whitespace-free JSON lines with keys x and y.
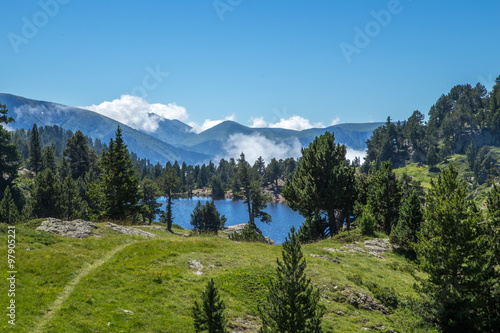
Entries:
{"x":77,"y":153}
{"x":254,"y":199}
{"x":35,"y":162}
{"x":9,"y":156}
{"x":411,"y":216}
{"x":72,"y":204}
{"x":149,"y":199}
{"x":292,"y":303}
{"x":385,"y":194}
{"x":209,"y":316}
{"x":206,"y":218}
{"x":46,"y":195}
{"x":323,"y":182}
{"x":169,"y":182}
{"x":491,"y":290}
{"x":8,"y":209}
{"x":49,"y":159}
{"x":450,"y":252}
{"x":117,"y":194}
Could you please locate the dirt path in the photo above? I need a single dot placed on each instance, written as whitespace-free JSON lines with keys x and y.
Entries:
{"x":54,"y":307}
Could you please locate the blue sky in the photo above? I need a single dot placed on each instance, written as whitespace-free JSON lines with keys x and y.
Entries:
{"x":266,"y":63}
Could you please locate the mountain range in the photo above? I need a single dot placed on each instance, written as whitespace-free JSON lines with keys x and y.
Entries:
{"x":174,"y":140}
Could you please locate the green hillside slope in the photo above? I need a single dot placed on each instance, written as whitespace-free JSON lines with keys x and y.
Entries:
{"x":119,"y":283}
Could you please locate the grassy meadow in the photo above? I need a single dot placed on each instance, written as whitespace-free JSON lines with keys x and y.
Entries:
{"x":120,"y":283}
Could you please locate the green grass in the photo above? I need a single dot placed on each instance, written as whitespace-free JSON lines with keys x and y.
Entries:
{"x":424,"y":174}
{"x":91,"y":286}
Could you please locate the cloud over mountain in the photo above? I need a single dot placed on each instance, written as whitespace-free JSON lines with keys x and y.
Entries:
{"x":138,"y":113}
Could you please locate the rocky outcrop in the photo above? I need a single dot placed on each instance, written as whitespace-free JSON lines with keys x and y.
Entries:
{"x":359,"y":299}
{"x":76,"y":228}
{"x":372,"y":247}
{"x":238,"y":229}
{"x":196,"y":265}
{"x":130,"y":231}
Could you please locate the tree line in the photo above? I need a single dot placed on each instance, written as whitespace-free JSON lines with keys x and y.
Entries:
{"x":465,"y":119}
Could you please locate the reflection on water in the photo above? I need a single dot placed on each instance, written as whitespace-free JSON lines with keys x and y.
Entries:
{"x":283,"y":217}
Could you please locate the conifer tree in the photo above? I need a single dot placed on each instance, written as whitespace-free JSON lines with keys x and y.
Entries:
{"x":72,"y":204}
{"x":450,"y":252}
{"x":46,"y":195}
{"x":254,"y":199}
{"x":323,"y":182}
{"x":491,"y":290}
{"x":367,"y":220}
{"x":35,"y":153}
{"x":117,"y":194}
{"x":169,"y":182}
{"x":209,"y":316}
{"x":8,"y":209}
{"x":149,"y":195}
{"x":77,"y":153}
{"x":207,"y":218}
{"x":9,"y":156}
{"x":410,"y":217}
{"x":292,"y":303}
{"x":385,"y":194}
{"x":49,"y":159}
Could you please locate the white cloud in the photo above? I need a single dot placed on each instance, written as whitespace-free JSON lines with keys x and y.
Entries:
{"x":258,"y":122}
{"x":296,"y":123}
{"x":138,"y":113}
{"x":352,"y":153}
{"x":335,"y":121}
{"x":208,"y":123}
{"x":257,"y":145}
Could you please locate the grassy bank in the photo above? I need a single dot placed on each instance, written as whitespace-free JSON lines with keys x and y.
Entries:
{"x":120,"y":283}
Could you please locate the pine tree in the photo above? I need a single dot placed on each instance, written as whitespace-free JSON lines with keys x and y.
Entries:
{"x":254,"y":199}
{"x":169,"y":182}
{"x":432,"y":156}
{"x":46,"y":195}
{"x":117,"y":194}
{"x":323,"y":182}
{"x":292,"y":303}
{"x":206,"y":218}
{"x":8,"y":209}
{"x":77,"y":153}
{"x":49,"y":159}
{"x":410,"y":217}
{"x":449,"y":249}
{"x":149,"y":196}
{"x":209,"y":316}
{"x":491,"y":275}
{"x":35,"y":155}
{"x":9,"y":156}
{"x":72,"y":204}
{"x":385,"y":194}
{"x":367,"y":220}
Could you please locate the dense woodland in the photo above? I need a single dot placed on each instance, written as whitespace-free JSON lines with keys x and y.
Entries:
{"x":50,"y":172}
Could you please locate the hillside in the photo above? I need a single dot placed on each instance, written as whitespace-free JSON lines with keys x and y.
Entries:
{"x":173,"y":140}
{"x":112,"y":282}
{"x":26,"y":112}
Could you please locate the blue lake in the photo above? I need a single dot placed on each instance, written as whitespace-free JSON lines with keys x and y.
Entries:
{"x":235,"y":211}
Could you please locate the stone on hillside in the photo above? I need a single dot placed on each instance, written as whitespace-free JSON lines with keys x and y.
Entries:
{"x":130,"y":231}
{"x":198,"y":266}
{"x":76,"y":228}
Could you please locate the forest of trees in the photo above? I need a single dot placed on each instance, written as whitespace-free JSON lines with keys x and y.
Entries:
{"x":465,"y":119}
{"x":453,"y":240}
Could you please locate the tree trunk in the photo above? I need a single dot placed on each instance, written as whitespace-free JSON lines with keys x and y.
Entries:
{"x":169,"y":212}
{"x":332,"y":222}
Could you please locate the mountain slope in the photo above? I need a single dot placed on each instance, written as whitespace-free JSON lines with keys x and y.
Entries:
{"x":26,"y":112}
{"x":173,"y":140}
